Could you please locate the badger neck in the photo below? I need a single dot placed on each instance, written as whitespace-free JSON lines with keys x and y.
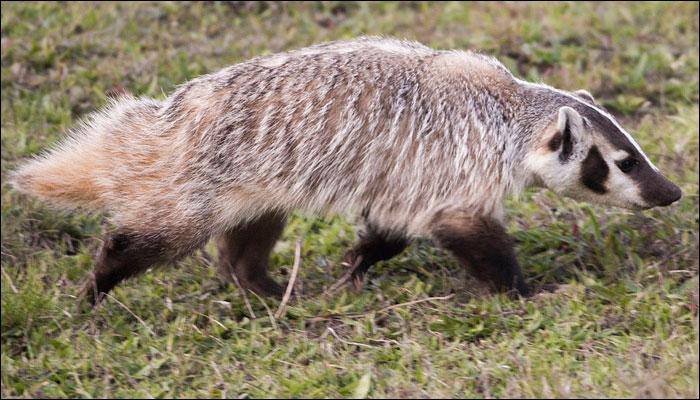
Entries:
{"x":501,"y":124}
{"x":461,"y":155}
{"x":535,"y":107}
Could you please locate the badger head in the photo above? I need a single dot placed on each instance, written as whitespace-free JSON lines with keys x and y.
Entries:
{"x":583,"y":153}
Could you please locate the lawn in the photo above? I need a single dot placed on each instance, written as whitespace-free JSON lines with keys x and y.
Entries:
{"x":624,"y":322}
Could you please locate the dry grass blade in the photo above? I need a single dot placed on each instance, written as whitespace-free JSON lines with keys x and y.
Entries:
{"x":292,"y":279}
{"x":9,"y":281}
{"x":209,"y":260}
{"x":245,"y":296}
{"x":329,"y":317}
{"x":410,"y":303}
{"x":142,"y":322}
{"x":335,"y":335}
{"x":267,"y":309}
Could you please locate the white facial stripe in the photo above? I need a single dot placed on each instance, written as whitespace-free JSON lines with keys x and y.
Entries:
{"x":629,"y":137}
{"x":601,"y":112}
{"x":620,"y":155}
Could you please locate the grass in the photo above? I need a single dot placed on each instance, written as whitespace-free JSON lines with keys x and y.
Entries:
{"x":624,"y":324}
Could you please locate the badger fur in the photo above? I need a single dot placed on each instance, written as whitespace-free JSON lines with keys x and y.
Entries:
{"x":417,"y":142}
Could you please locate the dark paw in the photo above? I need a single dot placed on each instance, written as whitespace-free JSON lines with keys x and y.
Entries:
{"x":89,"y":296}
{"x":264,"y":286}
{"x":525,"y":291}
{"x":356,"y":271}
{"x":520,"y":291}
{"x":357,"y":280}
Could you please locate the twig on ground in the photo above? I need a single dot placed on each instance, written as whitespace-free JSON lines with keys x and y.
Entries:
{"x":292,"y":279}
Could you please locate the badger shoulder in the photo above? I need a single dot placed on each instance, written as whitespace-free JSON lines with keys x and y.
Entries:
{"x":471,"y":65}
{"x":366,"y":46}
{"x":364,"y":43}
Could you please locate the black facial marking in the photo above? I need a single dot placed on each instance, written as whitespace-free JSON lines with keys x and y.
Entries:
{"x":567,"y":144}
{"x":594,"y":171}
{"x":654,"y":188}
{"x":611,"y":132}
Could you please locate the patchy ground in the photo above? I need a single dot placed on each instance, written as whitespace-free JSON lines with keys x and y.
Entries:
{"x":623,"y":324}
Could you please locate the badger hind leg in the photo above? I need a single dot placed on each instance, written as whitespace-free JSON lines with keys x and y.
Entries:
{"x":482,"y":245}
{"x":244,"y":252}
{"x":126,"y":253}
{"x":374,"y":245}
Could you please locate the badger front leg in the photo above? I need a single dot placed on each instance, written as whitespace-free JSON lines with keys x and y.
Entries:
{"x":482,"y":245}
{"x":374,"y":245}
{"x":244,"y":251}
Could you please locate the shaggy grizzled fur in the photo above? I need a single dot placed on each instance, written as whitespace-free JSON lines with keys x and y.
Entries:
{"x":419,"y":142}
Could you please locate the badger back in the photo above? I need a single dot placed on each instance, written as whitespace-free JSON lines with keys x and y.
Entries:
{"x":338,"y":129}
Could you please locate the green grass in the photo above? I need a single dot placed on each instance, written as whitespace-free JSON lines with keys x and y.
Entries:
{"x":624,"y":324}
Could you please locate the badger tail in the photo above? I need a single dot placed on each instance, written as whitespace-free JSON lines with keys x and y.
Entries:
{"x":75,"y":172}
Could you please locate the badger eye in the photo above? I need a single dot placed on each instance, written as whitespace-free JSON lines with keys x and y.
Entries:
{"x":627,"y":164}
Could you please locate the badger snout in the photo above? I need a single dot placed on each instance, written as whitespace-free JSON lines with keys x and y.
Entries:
{"x":671,"y":195}
{"x":661,"y":192}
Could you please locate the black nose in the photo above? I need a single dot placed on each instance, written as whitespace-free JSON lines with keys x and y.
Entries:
{"x":673,"y":195}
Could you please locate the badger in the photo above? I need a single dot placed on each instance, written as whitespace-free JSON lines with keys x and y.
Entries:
{"x":409,"y":141}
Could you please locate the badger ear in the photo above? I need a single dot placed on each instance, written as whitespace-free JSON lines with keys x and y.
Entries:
{"x":585,"y":95}
{"x":568,"y":134}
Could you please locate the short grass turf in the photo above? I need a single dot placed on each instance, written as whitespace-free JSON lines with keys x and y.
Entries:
{"x":623,"y":324}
